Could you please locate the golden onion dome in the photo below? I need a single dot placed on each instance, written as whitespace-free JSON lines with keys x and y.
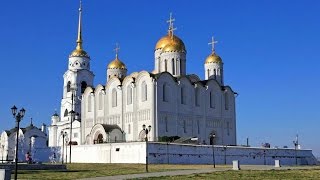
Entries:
{"x":170,"y":39}
{"x":171,"y":47}
{"x":116,"y":64}
{"x":79,"y":53}
{"x":213,"y":58}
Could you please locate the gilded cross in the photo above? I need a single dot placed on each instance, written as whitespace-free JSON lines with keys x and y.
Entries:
{"x":212,"y":43}
{"x":170,"y":21}
{"x":117,"y":49}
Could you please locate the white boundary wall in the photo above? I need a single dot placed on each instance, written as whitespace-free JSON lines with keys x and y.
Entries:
{"x":109,"y":153}
{"x":163,"y":153}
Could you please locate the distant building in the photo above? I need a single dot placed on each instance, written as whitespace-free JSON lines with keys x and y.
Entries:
{"x":31,"y":139}
{"x":171,"y":101}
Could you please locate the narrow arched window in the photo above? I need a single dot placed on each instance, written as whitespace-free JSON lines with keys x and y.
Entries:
{"x":173,"y":67}
{"x":100,"y":100}
{"x":183,"y":95}
{"x":83,"y":86}
{"x":197,"y":97}
{"x":65,"y":113}
{"x":129,"y":129}
{"x":215,"y":73}
{"x":114,"y":97}
{"x":165,"y":65}
{"x":129,"y":95}
{"x":166,"y":123}
{"x":198,"y":126}
{"x":212,"y":99}
{"x":226,"y":101}
{"x":68,"y":86}
{"x":164,"y":92}
{"x":144,"y":91}
{"x":228,"y":128}
{"x":89,"y":103}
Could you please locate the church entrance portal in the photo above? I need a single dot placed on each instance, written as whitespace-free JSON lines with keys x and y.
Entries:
{"x":213,"y":137}
{"x":99,"y":139}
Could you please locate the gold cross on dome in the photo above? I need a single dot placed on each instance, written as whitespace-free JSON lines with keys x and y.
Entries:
{"x":170,"y":21}
{"x":212,"y":43}
{"x":171,"y":28}
{"x":117,"y":49}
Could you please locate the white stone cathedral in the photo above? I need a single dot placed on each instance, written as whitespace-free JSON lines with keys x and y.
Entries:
{"x":173,"y":103}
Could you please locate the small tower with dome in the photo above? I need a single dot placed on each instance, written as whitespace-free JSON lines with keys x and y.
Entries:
{"x":116,"y":68}
{"x":170,"y":53}
{"x":213,"y":65}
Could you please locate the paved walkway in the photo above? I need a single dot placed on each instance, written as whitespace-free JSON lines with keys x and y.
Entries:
{"x":194,"y":171}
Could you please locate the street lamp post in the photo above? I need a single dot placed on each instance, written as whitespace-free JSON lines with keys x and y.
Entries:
{"x":18,"y":116}
{"x":67,"y":140}
{"x":2,"y":152}
{"x":30,"y":144}
{"x":225,"y":154}
{"x":146,"y":130}
{"x":63,"y":134}
{"x":72,"y":114}
{"x":296,"y":143}
{"x":212,"y":136}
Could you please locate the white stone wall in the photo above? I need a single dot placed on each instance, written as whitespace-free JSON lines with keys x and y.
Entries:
{"x":109,"y":153}
{"x":163,"y":153}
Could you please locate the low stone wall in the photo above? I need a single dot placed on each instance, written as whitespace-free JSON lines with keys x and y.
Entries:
{"x":163,"y":153}
{"x":34,"y":166}
{"x":134,"y":152}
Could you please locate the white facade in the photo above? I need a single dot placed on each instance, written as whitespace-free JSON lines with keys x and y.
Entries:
{"x":31,"y":139}
{"x":174,"y":103}
{"x":184,"y":106}
{"x":169,"y":100}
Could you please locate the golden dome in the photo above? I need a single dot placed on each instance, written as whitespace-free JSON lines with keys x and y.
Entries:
{"x":172,"y":46}
{"x":79,"y":53}
{"x":168,"y":39}
{"x":213,"y":58}
{"x":117,"y":64}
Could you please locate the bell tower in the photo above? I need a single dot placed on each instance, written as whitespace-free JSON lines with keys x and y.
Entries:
{"x":77,"y":77}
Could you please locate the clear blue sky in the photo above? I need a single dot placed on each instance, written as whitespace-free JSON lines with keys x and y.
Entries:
{"x":270,"y":51}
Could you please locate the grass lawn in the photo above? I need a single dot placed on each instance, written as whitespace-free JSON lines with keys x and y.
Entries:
{"x":77,"y":171}
{"x":312,"y":174}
